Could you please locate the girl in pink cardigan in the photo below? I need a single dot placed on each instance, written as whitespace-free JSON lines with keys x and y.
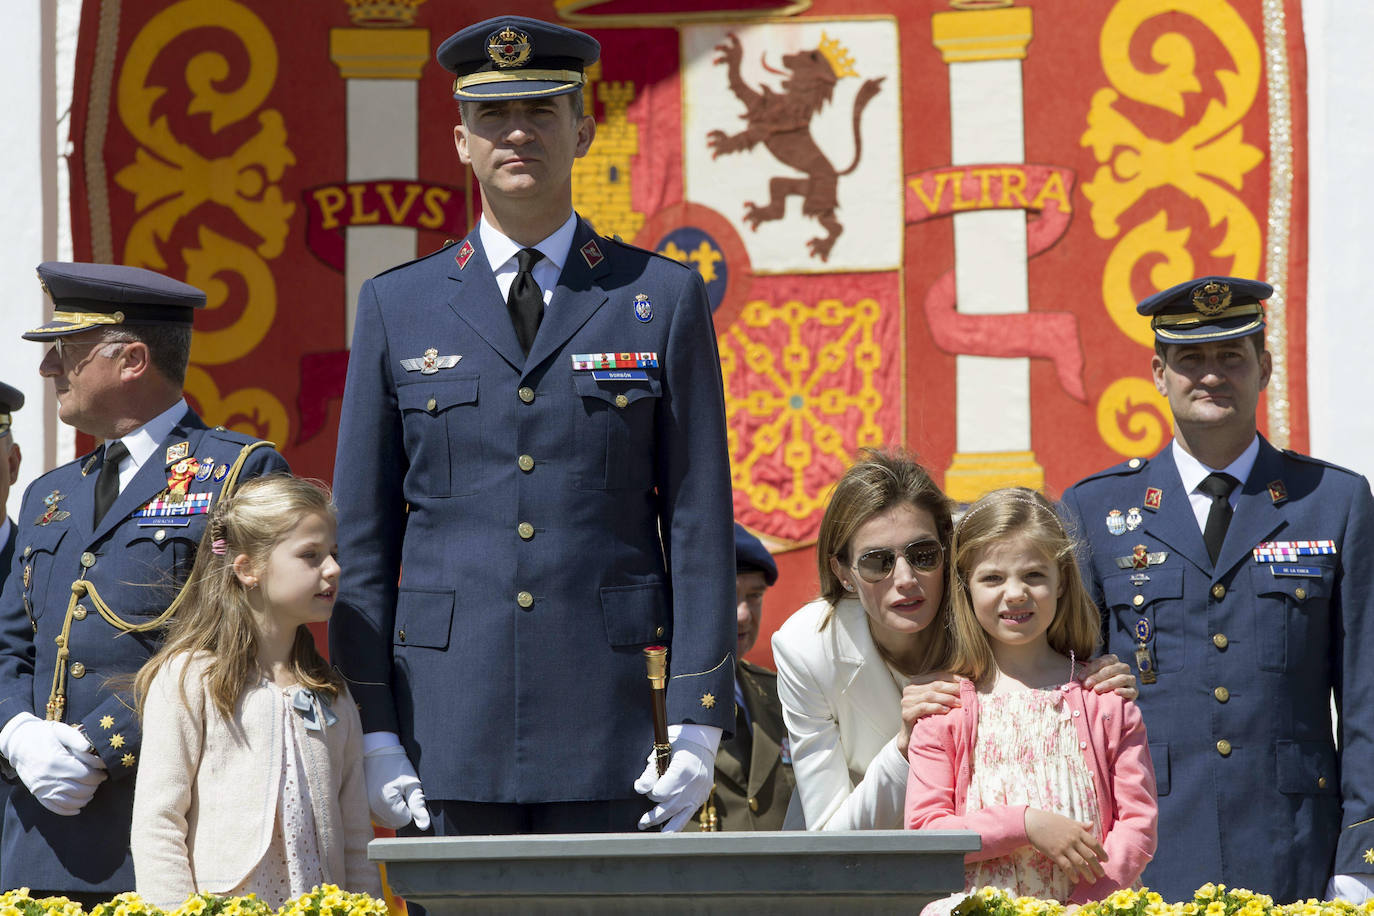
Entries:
{"x":1057,"y":779}
{"x":251,"y":776}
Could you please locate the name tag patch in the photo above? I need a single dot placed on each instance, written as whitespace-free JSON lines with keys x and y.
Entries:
{"x":1307,"y":572}
{"x":620,"y":375}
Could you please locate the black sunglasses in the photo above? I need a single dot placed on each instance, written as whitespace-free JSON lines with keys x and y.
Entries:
{"x":877,"y":565}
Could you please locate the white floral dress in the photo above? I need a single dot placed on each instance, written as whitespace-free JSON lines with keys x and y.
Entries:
{"x":291,"y":865}
{"x":1027,"y":754}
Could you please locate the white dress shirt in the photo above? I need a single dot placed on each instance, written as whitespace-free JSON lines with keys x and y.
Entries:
{"x":1192,"y":472}
{"x":143,"y":442}
{"x":501,"y":253}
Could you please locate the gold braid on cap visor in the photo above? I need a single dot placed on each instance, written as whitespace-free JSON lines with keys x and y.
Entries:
{"x":89,"y":317}
{"x":571,"y":77}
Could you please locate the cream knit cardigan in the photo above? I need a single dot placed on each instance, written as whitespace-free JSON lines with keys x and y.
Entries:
{"x":205,"y":802}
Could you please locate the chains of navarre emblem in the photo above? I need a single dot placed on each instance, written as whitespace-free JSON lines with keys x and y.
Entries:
{"x":1212,"y":298}
{"x":509,"y":47}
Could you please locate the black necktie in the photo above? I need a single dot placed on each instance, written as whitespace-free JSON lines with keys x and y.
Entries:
{"x":526,"y":300}
{"x":1219,"y":487}
{"x":107,"y":484}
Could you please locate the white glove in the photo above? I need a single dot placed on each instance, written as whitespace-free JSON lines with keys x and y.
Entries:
{"x":684,"y":786}
{"x":393,"y":789}
{"x":1354,"y":888}
{"x":54,"y":761}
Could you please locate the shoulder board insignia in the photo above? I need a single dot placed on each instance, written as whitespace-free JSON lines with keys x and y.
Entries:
{"x":464,"y":254}
{"x":591,"y":253}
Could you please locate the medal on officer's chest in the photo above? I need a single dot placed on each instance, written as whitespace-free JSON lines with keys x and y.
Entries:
{"x":1143,"y":662}
{"x":179,"y":477}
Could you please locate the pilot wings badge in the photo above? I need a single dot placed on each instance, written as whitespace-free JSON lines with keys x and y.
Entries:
{"x":430,"y":363}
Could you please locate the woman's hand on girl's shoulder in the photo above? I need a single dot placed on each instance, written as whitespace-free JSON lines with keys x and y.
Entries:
{"x":1107,"y":673}
{"x":927,"y":695}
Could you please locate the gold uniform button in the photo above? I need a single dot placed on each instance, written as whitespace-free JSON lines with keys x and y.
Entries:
{"x":525,"y":462}
{"x":1138,"y":600}
{"x":524,"y":599}
{"x":1321,"y":782}
{"x":1218,"y":591}
{"x":621,"y":400}
{"x":1300,"y":593}
{"x":658,"y":631}
{"x":1133,"y":463}
{"x":1224,"y":747}
{"x":78,"y":669}
{"x":401,"y":634}
{"x":88,"y":559}
{"x":160,"y":536}
{"x":27,"y":550}
{"x":526,"y":394}
{"x":753,"y":803}
{"x":79,"y":612}
{"x":1222,"y":694}
{"x":1220,"y":641}
{"x":431,"y":404}
{"x":526,"y":530}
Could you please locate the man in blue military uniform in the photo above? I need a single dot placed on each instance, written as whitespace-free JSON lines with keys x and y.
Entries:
{"x":1238,"y":577}
{"x":103,"y":544}
{"x":11,"y":399}
{"x":754,"y":780}
{"x":533,"y":442}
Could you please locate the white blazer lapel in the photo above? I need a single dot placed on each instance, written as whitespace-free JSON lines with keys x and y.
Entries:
{"x":870,"y":691}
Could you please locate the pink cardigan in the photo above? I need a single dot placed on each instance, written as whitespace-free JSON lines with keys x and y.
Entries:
{"x":1112,"y":736}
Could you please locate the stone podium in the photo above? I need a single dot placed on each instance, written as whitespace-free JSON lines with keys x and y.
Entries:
{"x":870,"y":871}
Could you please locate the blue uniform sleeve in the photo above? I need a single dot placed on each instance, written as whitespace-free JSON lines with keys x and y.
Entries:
{"x":16,"y":632}
{"x":697,"y":518}
{"x":369,"y":471}
{"x":1353,"y":621}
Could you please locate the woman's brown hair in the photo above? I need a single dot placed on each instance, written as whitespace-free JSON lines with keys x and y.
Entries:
{"x":880,"y":480}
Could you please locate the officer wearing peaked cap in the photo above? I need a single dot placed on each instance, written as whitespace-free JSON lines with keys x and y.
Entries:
{"x":533,"y":442}
{"x":1236,"y":575}
{"x":101,"y":545}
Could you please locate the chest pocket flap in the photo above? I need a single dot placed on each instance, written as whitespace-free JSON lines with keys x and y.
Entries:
{"x":632,"y":389}
{"x":1163,"y":584}
{"x":437,"y":395}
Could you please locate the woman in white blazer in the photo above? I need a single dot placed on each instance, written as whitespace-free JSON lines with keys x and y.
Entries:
{"x":857,"y":667}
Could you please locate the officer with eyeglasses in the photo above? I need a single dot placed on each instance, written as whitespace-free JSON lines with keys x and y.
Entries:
{"x":102,"y":546}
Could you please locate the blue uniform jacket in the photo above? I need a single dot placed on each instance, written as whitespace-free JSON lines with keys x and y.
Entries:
{"x":137,"y":569}
{"x":1252,"y":790}
{"x":520,"y":503}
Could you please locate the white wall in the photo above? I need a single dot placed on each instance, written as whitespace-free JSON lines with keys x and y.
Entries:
{"x":21,"y":242}
{"x":1340,"y":323}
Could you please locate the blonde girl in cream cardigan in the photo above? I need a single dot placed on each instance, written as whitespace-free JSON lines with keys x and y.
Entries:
{"x":251,"y":774}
